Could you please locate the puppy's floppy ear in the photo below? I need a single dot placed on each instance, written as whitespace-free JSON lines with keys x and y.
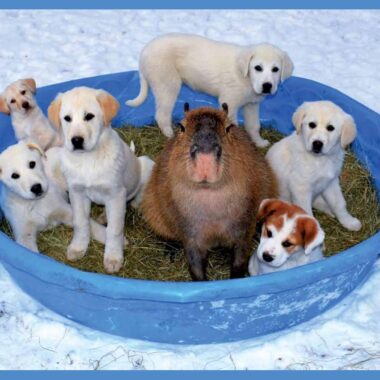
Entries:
{"x":311,"y":232}
{"x":54,"y":110}
{"x":4,"y":106}
{"x":348,"y":133}
{"x":268,"y":207}
{"x":31,"y":84}
{"x":298,"y":116}
{"x":243,"y":60}
{"x":34,"y":146}
{"x":109,"y":105}
{"x":287,"y":67}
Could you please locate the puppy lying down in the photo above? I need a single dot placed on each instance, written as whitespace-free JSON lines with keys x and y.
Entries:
{"x":33,"y":196}
{"x":289,"y":238}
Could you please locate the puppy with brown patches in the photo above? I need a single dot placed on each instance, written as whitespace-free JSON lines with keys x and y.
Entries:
{"x":206,"y":188}
{"x":289,"y":238}
{"x":29,"y":122}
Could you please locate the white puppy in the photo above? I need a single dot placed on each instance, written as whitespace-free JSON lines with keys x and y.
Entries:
{"x":28,"y":120}
{"x":98,"y":166}
{"x":33,"y":201}
{"x":309,"y":161}
{"x":240,"y":76}
{"x":289,"y":238}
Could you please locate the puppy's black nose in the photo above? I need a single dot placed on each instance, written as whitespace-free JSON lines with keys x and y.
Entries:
{"x":36,"y":189}
{"x":77,"y":142}
{"x":25,"y":105}
{"x":317,"y":146}
{"x":267,"y":257}
{"x":267,"y":87}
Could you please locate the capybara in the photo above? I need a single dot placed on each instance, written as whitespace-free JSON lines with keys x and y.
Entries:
{"x":206,"y":188}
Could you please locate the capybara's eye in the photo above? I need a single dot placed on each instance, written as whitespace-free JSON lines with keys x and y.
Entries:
{"x":181,"y":127}
{"x":275,"y":69}
{"x":89,"y":116}
{"x":13,"y":100}
{"x":312,"y":125}
{"x":269,"y":233}
{"x":32,"y":164}
{"x":258,"y":68}
{"x":330,"y":128}
{"x":228,"y":129}
{"x":23,"y":92}
{"x":67,"y":118}
{"x":286,"y":244}
{"x":15,"y":176}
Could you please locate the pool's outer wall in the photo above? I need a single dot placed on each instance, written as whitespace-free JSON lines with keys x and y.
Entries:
{"x":195,"y":313}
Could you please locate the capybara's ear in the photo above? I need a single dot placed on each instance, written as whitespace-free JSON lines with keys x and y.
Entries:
{"x":312,"y":233}
{"x":268,"y":207}
{"x":225,"y":108}
{"x":54,"y":110}
{"x":4,"y":106}
{"x":287,"y":67}
{"x":243,"y":60}
{"x":30,"y":83}
{"x":34,"y":146}
{"x":186,"y":107}
{"x":298,"y":116}
{"x":348,"y":133}
{"x":109,"y":105}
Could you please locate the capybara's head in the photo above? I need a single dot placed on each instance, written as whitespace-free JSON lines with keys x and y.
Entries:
{"x":202,"y":139}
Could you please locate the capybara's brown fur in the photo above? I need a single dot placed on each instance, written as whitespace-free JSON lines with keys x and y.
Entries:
{"x":206,"y":188}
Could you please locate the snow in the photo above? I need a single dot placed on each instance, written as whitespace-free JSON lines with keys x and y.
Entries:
{"x":338,"y":48}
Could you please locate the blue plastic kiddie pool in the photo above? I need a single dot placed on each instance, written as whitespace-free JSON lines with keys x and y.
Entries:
{"x":205,"y":312}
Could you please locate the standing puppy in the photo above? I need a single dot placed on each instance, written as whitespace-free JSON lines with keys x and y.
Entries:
{"x":241,"y":76}
{"x":98,"y":166}
{"x":309,"y":161}
{"x":206,"y":188}
{"x":289,"y":238}
{"x":28,"y":120}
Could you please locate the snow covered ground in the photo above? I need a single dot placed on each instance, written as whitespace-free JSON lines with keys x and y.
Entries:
{"x":338,"y":48}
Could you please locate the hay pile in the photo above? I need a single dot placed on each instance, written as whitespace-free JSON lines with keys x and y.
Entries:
{"x":149,"y":257}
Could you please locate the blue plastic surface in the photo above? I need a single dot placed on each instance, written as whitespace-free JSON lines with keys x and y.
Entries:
{"x":215,"y":311}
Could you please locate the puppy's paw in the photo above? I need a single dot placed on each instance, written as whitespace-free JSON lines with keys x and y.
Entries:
{"x":260,"y":142}
{"x":168,"y":131}
{"x":352,"y":224}
{"x":112,"y":264}
{"x":74,"y":253}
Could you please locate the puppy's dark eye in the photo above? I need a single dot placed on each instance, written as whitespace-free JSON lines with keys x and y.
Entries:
{"x":67,"y":118}
{"x":269,"y":233}
{"x":32,"y":164}
{"x":15,"y":176}
{"x":286,"y":244}
{"x":89,"y":116}
{"x":312,"y":125}
{"x":13,"y":101}
{"x":258,"y":68}
{"x":330,"y":128}
{"x":23,"y":92}
{"x":275,"y":69}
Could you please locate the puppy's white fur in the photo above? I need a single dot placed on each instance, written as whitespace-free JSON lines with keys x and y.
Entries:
{"x":307,"y":178}
{"x":29,"y":213}
{"x":28,"y":121}
{"x":301,"y":254}
{"x":105,"y":171}
{"x":224,"y":70}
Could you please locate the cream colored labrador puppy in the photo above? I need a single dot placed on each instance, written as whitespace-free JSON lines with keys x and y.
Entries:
{"x":309,"y":161}
{"x":29,"y":122}
{"x":240,"y":76}
{"x":33,"y":196}
{"x":98,"y":166}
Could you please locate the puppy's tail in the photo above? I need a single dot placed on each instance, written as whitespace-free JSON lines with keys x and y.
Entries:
{"x":144,"y":87}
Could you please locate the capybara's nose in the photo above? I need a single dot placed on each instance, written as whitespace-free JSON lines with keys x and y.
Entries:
{"x":267,"y":87}
{"x":36,"y":189}
{"x":25,"y":105}
{"x":77,"y":142}
{"x":317,"y":146}
{"x":267,"y":257}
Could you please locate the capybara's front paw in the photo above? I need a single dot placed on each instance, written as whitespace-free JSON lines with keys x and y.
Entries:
{"x":75,"y":253}
{"x":112,"y":264}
